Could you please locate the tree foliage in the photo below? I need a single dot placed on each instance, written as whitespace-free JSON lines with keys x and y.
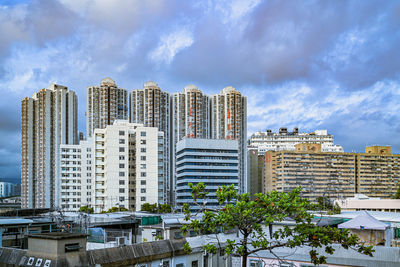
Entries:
{"x":86,"y":209}
{"x":397,"y":195}
{"x":153,"y":208}
{"x":252,"y":217}
{"x":114,"y":209}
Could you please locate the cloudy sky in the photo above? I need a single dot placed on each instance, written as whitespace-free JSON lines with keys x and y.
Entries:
{"x":310,"y":64}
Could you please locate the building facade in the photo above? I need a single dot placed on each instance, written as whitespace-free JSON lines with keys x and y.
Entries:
{"x":151,"y":107}
{"x":76,"y":176}
{"x":213,"y":162}
{"x":190,"y":119}
{"x":48,"y":119}
{"x":127,"y":166}
{"x":7,"y":189}
{"x":229,"y":121}
{"x":375,"y":173}
{"x":285,"y":140}
{"x":105,"y":104}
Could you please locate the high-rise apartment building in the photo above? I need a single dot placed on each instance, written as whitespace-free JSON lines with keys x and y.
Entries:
{"x":105,"y":104}
{"x":127,"y":161}
{"x":229,"y":121}
{"x":375,"y":173}
{"x":76,"y":176}
{"x":48,"y":119}
{"x":150,"y":106}
{"x":285,"y":140}
{"x":212,"y":162}
{"x":190,"y":119}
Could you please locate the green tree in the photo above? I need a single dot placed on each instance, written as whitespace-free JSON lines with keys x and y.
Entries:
{"x":153,"y":208}
{"x":251,"y":217}
{"x":397,"y":195}
{"x":164,"y":208}
{"x":86,"y":209}
{"x":149,"y":207}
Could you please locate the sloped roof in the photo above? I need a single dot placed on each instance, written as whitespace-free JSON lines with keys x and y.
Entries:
{"x":364,"y":221}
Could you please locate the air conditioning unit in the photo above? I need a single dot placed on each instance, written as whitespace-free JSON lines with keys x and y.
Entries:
{"x":121,"y":240}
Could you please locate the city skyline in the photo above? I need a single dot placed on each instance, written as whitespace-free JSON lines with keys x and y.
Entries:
{"x":328,"y":65}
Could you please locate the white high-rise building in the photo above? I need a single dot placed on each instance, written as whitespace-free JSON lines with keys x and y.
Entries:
{"x":229,"y":121}
{"x":48,"y":119}
{"x":76,"y":176}
{"x":285,"y":140}
{"x":105,"y":104}
{"x":150,"y":106}
{"x":128,"y":162}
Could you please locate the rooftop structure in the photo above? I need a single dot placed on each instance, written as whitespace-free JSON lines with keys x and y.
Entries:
{"x":285,"y":140}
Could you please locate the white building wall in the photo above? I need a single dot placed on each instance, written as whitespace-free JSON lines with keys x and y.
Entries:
{"x":269,"y":141}
{"x":123,"y":159}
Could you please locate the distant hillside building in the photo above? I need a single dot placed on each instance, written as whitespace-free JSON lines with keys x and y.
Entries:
{"x":8,"y":189}
{"x":285,"y":140}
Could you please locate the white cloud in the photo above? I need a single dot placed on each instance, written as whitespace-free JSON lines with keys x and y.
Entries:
{"x":297,"y":104}
{"x":170,"y":45}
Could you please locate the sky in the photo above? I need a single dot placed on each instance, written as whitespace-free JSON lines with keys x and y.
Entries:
{"x":330,"y":64}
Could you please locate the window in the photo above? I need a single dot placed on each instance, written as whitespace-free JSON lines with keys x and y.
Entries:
{"x":143,"y":190}
{"x":121,"y":165}
{"x":143,"y":174}
{"x":122,"y":141}
{"x":142,"y":133}
{"x":121,"y":157}
{"x":122,"y":149}
{"x":143,"y":199}
{"x":142,"y":142}
{"x":143,"y":166}
{"x":121,"y":132}
{"x":143,"y":158}
{"x":143,"y":182}
{"x":165,"y":263}
{"x":122,"y":190}
{"x":256,"y":263}
{"x":121,"y":174}
{"x":121,"y":199}
{"x":121,"y":182}
{"x":143,"y":149}
{"x":195,"y":263}
{"x":180,"y":265}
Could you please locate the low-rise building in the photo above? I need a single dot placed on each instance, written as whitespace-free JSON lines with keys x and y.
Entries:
{"x":363,"y":202}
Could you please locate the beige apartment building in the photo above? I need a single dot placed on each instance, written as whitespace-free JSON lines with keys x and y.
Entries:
{"x":374,"y":173}
{"x":105,"y":104}
{"x":48,"y":119}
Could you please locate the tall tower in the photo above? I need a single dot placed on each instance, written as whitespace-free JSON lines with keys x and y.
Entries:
{"x":150,"y":106}
{"x":105,"y":104}
{"x":48,"y":119}
{"x":229,"y":121}
{"x":190,"y":119}
{"x":190,"y":114}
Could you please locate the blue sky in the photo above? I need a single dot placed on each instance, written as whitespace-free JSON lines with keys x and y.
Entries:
{"x":309,"y":64}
